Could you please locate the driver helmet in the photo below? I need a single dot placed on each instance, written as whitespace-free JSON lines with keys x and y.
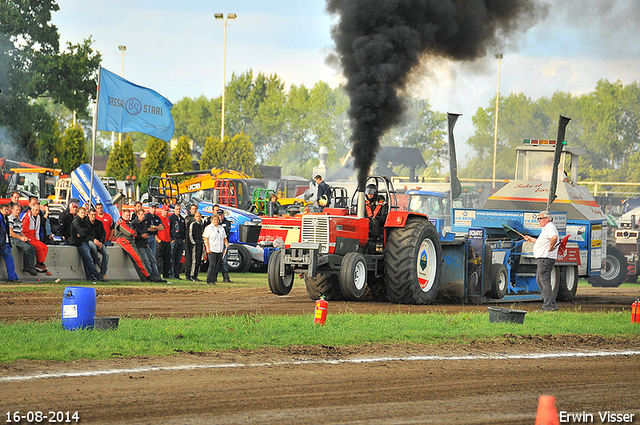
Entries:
{"x":371,"y":189}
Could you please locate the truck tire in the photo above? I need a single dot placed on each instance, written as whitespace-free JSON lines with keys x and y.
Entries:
{"x":243,"y":261}
{"x":353,"y":275}
{"x":279,"y":285}
{"x":323,"y":284}
{"x":499,"y":281}
{"x":568,"y":283}
{"x":615,"y":271}
{"x":412,"y":262}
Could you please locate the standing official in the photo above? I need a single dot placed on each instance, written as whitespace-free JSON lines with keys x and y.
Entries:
{"x":545,"y":250}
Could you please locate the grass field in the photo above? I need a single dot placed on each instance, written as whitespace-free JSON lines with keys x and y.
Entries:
{"x":167,"y":336}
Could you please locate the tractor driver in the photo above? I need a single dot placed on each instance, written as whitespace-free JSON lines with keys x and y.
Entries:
{"x":375,"y":209}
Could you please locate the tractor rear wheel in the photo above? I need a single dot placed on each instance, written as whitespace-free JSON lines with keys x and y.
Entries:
{"x":353,"y":275}
{"x":412,"y":262}
{"x":323,"y":284}
{"x":568,"y":283}
{"x":279,"y":285}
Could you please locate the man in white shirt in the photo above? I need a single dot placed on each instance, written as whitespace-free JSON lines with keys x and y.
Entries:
{"x":545,"y":250}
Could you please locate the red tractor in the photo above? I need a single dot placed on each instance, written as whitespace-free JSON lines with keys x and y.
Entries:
{"x":397,"y":254}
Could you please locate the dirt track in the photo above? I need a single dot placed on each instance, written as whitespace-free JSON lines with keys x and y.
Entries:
{"x":275,"y":386}
{"x":165,"y":301}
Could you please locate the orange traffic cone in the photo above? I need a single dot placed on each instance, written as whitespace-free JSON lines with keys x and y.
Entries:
{"x":547,"y":412}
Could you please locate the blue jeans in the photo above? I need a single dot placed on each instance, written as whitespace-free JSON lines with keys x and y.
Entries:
{"x":152,"y":243}
{"x":149,"y":261}
{"x":90,"y":270}
{"x":102,"y":259}
{"x":5,"y":251}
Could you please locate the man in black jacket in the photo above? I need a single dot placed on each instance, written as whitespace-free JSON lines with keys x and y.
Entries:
{"x":5,"y":244}
{"x":80,"y":234}
{"x":178,"y":231}
{"x":64,"y":223}
{"x":96,"y":243}
{"x":188,"y":252}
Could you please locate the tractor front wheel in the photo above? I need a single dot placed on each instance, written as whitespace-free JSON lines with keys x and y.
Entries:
{"x":279,"y":285}
{"x":353,"y":275}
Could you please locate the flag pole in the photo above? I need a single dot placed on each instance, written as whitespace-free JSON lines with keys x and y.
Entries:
{"x":95,"y":130}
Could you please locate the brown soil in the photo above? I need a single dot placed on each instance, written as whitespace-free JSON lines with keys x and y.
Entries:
{"x":282,"y":386}
{"x":172,"y":301}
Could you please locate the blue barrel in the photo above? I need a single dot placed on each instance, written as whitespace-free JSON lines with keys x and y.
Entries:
{"x":78,"y":307}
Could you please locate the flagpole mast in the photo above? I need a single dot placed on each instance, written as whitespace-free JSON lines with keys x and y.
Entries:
{"x":95,"y":130}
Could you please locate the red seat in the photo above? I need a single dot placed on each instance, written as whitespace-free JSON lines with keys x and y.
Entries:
{"x":563,"y":245}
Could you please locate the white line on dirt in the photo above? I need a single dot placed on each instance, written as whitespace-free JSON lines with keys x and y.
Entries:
{"x":311,"y":362}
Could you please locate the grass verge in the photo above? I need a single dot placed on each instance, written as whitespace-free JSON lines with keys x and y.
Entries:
{"x":164,"y":337}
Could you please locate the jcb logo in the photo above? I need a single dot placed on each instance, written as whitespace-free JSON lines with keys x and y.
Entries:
{"x":193,"y":186}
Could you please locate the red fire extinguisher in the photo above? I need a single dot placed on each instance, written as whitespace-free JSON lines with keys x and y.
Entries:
{"x":635,"y":311}
{"x":321,"y":311}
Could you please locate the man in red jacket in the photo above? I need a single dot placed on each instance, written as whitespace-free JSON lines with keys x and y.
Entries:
{"x":31,"y":229}
{"x":107,"y":222}
{"x":125,"y":237}
{"x":163,"y":246}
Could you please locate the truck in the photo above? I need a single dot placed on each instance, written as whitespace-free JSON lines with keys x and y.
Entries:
{"x":28,"y":179}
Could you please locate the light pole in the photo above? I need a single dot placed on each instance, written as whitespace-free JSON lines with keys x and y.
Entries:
{"x":122,"y":49}
{"x":495,"y":128}
{"x":224,"y":64}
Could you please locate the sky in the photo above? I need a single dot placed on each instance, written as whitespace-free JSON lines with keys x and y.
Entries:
{"x":176,"y":48}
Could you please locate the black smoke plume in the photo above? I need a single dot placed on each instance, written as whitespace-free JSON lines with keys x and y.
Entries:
{"x":379,"y":42}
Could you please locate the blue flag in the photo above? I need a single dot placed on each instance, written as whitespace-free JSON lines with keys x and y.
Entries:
{"x":124,"y":107}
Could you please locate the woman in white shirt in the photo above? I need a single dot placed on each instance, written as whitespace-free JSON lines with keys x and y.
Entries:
{"x":215,"y":243}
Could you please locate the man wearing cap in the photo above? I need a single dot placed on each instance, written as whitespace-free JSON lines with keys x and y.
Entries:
{"x":163,"y":247}
{"x":154,"y":225}
{"x":545,"y":250}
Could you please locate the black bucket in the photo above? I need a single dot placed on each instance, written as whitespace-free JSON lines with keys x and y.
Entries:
{"x":499,"y":314}
{"x":106,"y":323}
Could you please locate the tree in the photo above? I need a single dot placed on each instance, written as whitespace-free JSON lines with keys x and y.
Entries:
{"x":73,"y":151}
{"x":424,"y":129}
{"x":520,"y":118}
{"x":32,"y":66}
{"x":121,"y":164}
{"x":197,"y":119}
{"x":156,"y":162}
{"x":235,"y":153}
{"x":181,"y":155}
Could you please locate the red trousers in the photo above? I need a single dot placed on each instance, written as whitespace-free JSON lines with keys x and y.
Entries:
{"x":133,"y":254}
{"x":41,"y":250}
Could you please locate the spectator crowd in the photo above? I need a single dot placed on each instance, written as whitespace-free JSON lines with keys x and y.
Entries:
{"x":155,"y":240}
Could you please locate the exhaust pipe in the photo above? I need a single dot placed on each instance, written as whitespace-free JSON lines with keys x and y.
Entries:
{"x":361,"y":204}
